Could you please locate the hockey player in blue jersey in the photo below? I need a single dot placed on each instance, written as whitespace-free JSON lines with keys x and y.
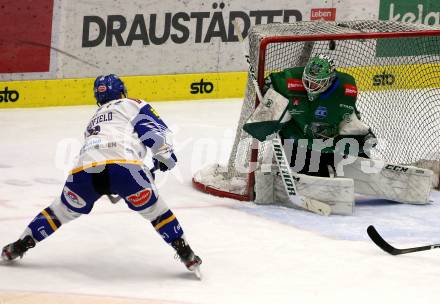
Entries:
{"x":111,"y":163}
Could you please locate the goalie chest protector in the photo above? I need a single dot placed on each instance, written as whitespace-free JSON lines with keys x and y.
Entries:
{"x":324,"y":114}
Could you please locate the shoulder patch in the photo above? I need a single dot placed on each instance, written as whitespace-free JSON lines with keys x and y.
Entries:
{"x":295,"y":84}
{"x":350,"y":90}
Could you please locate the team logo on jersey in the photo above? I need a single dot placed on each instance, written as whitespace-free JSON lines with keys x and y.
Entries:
{"x":295,"y":102}
{"x":321,"y":112}
{"x":141,"y":198}
{"x":73,"y":199}
{"x":294,"y":84}
{"x":350,"y":90}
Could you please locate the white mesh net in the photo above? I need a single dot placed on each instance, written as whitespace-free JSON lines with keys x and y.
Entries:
{"x":398,"y":79}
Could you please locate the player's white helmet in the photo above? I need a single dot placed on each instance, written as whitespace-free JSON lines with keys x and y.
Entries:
{"x":318,"y":75}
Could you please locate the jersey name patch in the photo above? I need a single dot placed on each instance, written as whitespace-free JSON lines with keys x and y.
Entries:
{"x":141,"y":198}
{"x":350,"y":90}
{"x":294,"y":84}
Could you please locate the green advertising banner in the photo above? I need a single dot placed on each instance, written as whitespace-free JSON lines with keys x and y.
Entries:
{"x":416,"y":11}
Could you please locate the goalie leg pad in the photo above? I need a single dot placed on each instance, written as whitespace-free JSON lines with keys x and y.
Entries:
{"x":337,"y":192}
{"x":404,"y":184}
{"x":264,"y":188}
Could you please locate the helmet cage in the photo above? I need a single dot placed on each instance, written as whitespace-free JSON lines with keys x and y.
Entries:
{"x":314,"y":85}
{"x":318,"y":74}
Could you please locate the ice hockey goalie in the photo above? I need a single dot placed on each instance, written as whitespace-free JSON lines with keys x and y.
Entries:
{"x":313,"y":109}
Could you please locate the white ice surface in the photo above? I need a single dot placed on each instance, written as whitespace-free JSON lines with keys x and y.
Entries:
{"x":250,"y":254}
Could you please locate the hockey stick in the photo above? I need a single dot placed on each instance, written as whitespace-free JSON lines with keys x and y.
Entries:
{"x":379,"y":241}
{"x":248,"y":60}
{"x":288,"y":177}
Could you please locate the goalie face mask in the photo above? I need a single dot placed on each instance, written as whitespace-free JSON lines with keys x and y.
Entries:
{"x":318,"y":75}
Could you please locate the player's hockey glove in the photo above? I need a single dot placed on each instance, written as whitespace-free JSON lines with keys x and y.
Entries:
{"x":165,"y":159}
{"x":164,"y":166}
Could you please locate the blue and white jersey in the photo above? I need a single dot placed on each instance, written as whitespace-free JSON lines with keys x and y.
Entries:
{"x":121,"y":131}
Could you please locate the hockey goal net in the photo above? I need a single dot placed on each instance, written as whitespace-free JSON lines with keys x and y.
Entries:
{"x":397,"y":71}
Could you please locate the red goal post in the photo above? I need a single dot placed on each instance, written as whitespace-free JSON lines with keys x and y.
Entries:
{"x":397,"y":70}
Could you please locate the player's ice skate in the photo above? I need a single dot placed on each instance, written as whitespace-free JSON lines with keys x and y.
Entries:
{"x":17,"y":249}
{"x":187,"y":256}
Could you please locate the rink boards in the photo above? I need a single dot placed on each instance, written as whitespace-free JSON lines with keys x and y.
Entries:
{"x":70,"y":92}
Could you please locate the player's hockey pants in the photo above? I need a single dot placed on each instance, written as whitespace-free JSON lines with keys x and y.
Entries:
{"x":133,"y":183}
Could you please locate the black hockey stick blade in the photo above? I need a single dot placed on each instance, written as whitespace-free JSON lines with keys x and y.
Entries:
{"x":382,"y":244}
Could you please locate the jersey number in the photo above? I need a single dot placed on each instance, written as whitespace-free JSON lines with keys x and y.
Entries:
{"x":94,"y":131}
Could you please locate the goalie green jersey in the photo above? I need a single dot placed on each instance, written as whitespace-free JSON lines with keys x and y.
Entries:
{"x":319,"y":118}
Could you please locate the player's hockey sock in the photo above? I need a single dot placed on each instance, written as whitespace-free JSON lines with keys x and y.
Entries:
{"x":44,"y":224}
{"x":168,"y":226}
